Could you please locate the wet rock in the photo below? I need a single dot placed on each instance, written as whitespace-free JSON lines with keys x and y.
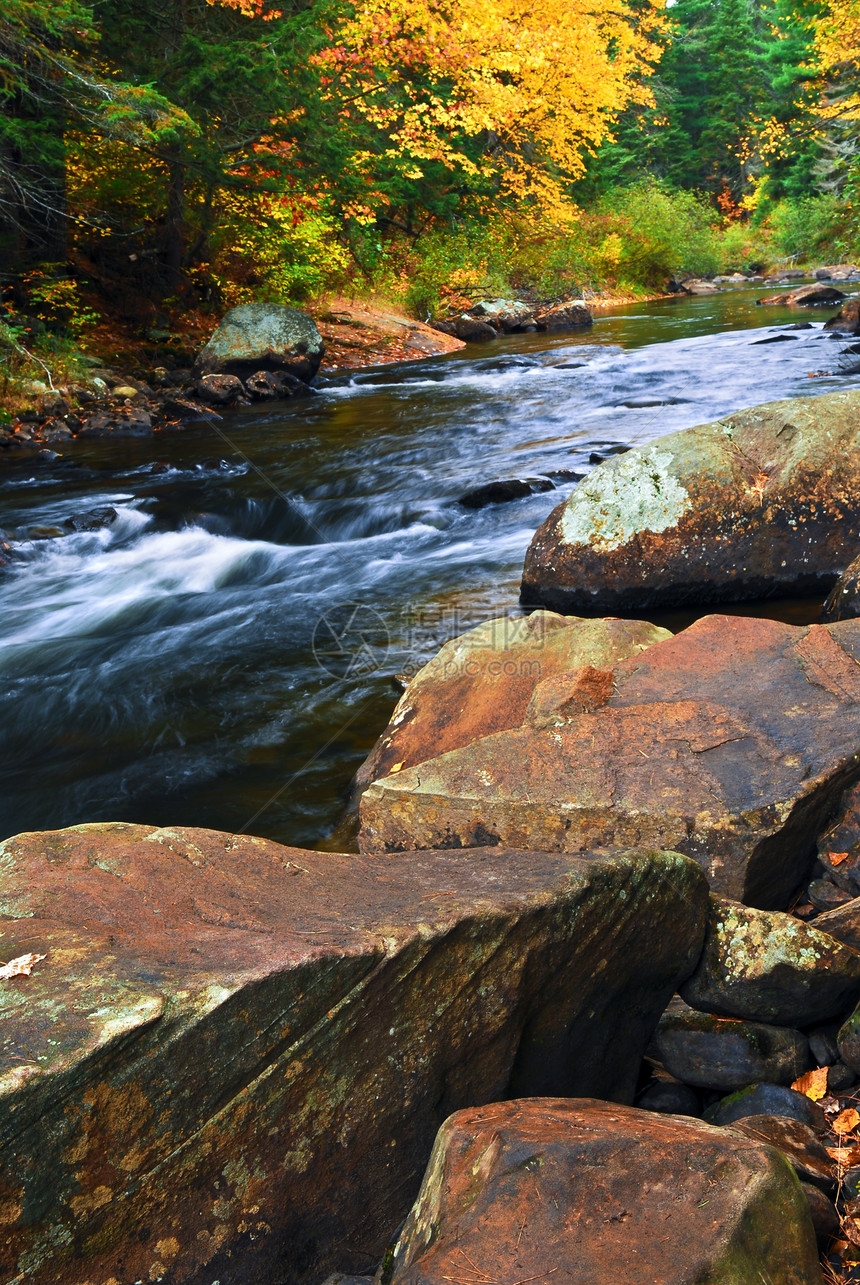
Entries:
{"x":847,"y":319}
{"x":232,"y":1060}
{"x":572,"y":314}
{"x":220,"y":390}
{"x":483,"y":681}
{"x":771,"y":967}
{"x":700,"y":287}
{"x":805,"y":297}
{"x":181,"y":409}
{"x":732,"y":742}
{"x":843,"y":601}
{"x":824,"y":895}
{"x":763,"y":502}
{"x":55,"y":430}
{"x":512,"y":488}
{"x":124,"y":421}
{"x":603,"y":1194}
{"x":264,"y":385}
{"x":719,"y":1053}
{"x":825,"y":1219}
{"x":670,"y":1097}
{"x":773,"y":339}
{"x":92,"y":520}
{"x":510,"y":316}
{"x":262,"y":336}
{"x":839,"y":846}
{"x":124,"y":390}
{"x":768,"y":1099}
{"x":798,"y":1142}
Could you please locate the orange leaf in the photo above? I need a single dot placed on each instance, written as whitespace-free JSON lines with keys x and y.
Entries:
{"x":846,"y":1121}
{"x":836,"y":858}
{"x":847,"y":1157}
{"x":813,"y":1083}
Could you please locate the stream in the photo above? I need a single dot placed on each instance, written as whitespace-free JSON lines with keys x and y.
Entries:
{"x":223,"y":654}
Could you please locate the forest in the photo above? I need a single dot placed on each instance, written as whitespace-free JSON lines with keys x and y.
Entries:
{"x":162,"y":159}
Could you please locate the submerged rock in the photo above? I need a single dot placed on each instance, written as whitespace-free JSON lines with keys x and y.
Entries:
{"x":603,"y":1194}
{"x":771,"y":967}
{"x":262,"y":336}
{"x":230,"y":1058}
{"x":503,"y":491}
{"x":763,"y":502}
{"x":732,"y":742}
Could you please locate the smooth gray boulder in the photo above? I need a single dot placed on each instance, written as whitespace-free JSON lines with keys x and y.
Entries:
{"x":724,"y":1053}
{"x":262,"y":336}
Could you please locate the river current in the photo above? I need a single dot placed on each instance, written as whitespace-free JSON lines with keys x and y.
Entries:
{"x":223,"y":654}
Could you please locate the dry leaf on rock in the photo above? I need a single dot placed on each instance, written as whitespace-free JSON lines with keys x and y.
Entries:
{"x":846,"y":1121}
{"x":22,"y":966}
{"x":813,"y":1084}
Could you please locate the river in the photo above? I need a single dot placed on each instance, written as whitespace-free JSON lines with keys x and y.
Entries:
{"x":223,"y":654}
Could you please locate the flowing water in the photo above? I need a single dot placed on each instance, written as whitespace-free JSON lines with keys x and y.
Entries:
{"x":223,"y":654}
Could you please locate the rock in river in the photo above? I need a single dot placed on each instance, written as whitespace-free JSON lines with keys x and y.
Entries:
{"x":806,"y":297}
{"x":603,"y":1195}
{"x":771,"y":967}
{"x":483,"y":681}
{"x":230,"y":1058}
{"x":732,"y":742}
{"x":262,"y":336}
{"x":761,"y":503}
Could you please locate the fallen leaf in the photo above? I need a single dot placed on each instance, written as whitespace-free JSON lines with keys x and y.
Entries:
{"x":813,"y":1084}
{"x":846,"y":1121}
{"x":395,"y":768}
{"x":22,"y":966}
{"x":836,"y":858}
{"x":847,"y":1157}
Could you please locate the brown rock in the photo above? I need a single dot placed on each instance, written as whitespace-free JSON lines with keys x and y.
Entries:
{"x":825,"y":1219}
{"x":233,"y":1058}
{"x":806,"y":296}
{"x":843,"y":923}
{"x":761,"y":503}
{"x":220,"y":390}
{"x":847,"y":319}
{"x":731,"y":742}
{"x":482,"y":682}
{"x":602,"y":1195}
{"x":796,"y":1141}
{"x":123,"y":421}
{"x":572,"y":314}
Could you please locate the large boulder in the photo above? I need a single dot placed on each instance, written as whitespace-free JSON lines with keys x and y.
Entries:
{"x":571,"y":314}
{"x":805,"y":297}
{"x":262,"y":336}
{"x":771,"y":967}
{"x":510,"y":316}
{"x":732,"y":742}
{"x":763,"y":502}
{"x":227,"y":1060}
{"x":483,"y":681}
{"x":603,"y":1194}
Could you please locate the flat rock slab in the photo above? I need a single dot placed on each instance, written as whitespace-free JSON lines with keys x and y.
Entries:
{"x":602,"y":1195}
{"x":771,"y":967}
{"x":483,"y":681}
{"x":731,"y":742}
{"x":763,"y":502}
{"x":233,"y":1058}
